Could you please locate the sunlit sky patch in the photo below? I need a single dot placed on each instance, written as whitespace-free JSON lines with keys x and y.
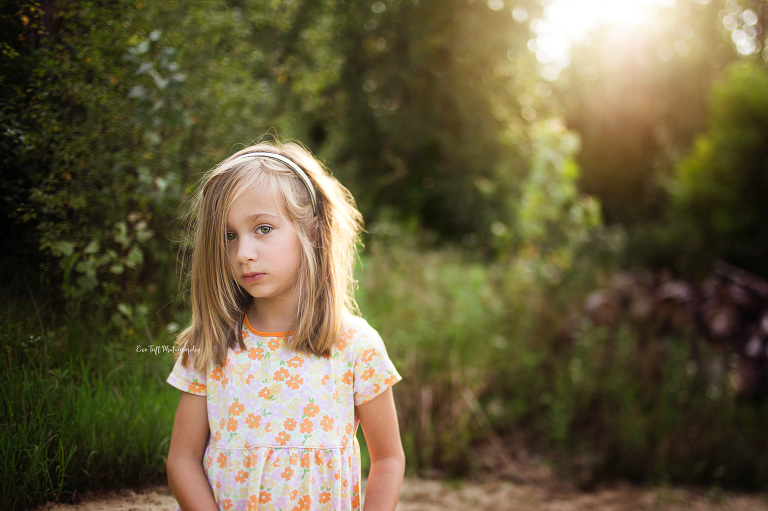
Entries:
{"x":568,"y":22}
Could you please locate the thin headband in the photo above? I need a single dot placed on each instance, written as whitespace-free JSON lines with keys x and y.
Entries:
{"x":295,"y":168}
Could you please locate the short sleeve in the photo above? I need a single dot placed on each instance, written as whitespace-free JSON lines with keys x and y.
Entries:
{"x":374,"y":372}
{"x":188,"y":378}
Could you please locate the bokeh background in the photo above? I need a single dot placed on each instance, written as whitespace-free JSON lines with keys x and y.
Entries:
{"x":566,"y":205}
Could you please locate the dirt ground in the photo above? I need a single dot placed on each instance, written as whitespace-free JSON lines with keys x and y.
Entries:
{"x":433,"y":495}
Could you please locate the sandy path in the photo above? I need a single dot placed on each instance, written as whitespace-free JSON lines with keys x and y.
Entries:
{"x":429,"y":495}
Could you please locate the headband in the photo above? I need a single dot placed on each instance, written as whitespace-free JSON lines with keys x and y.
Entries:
{"x":295,"y":168}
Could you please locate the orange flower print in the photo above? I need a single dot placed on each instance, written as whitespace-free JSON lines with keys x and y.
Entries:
{"x":253,"y":421}
{"x":348,"y":429}
{"x":289,"y":424}
{"x":324,"y":498}
{"x":367,"y":374}
{"x":216,"y":374}
{"x":232,"y":425}
{"x":304,"y":503}
{"x":325,"y":380}
{"x":294,"y":459}
{"x":216,"y":437}
{"x":341,"y":344}
{"x":367,"y":355}
{"x":318,"y":458}
{"x":236,"y":408}
{"x":222,"y":423}
{"x":227,"y":362}
{"x":390,"y":381}
{"x":250,"y":461}
{"x":241,"y":476}
{"x":282,"y":438}
{"x":249,"y":379}
{"x":296,"y":362}
{"x":295,"y":381}
{"x":327,"y":423}
{"x":265,"y":393}
{"x":274,"y":344}
{"x":305,"y":461}
{"x":347,"y":378}
{"x":226,"y":504}
{"x":222,"y":460}
{"x":281,"y":375}
{"x":256,"y":353}
{"x":306,"y":426}
{"x":294,"y":494}
{"x":253,"y":503}
{"x":356,"y":501}
{"x":264,"y":497}
{"x":311,"y":410}
{"x":287,"y":473}
{"x":196,"y":387}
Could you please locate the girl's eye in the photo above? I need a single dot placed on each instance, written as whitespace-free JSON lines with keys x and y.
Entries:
{"x":230,"y":236}
{"x":264,"y":229}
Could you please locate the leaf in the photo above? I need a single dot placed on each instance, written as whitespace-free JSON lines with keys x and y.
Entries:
{"x":65,"y":247}
{"x":125,"y":309}
{"x":92,"y":247}
{"x":134,"y":258}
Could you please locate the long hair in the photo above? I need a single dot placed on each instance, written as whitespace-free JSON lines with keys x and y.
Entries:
{"x":325,"y":285}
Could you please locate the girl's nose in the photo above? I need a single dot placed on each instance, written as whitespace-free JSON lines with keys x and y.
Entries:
{"x":246,"y":251}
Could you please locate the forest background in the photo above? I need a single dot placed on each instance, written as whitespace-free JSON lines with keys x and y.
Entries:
{"x":568,"y":261}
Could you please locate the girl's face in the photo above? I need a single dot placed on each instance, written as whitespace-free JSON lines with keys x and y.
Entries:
{"x":264,"y":249}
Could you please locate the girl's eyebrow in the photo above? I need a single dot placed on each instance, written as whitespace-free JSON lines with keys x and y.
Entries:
{"x":258,"y":216}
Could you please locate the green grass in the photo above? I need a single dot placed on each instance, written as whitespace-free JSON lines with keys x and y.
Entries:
{"x":94,"y":415}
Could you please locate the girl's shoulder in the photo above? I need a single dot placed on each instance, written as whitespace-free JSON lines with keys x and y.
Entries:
{"x":356,"y":326}
{"x":358,"y":335}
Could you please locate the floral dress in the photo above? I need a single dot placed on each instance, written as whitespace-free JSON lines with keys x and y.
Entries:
{"x":282,"y":424}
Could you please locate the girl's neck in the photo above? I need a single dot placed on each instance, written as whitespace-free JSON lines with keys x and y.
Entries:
{"x":271,"y":315}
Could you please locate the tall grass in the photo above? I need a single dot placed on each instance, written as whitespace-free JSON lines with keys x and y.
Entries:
{"x":79,"y":411}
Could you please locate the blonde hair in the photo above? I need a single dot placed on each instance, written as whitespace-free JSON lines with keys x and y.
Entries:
{"x":328,"y":240}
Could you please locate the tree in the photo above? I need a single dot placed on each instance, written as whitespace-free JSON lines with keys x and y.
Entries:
{"x":720,"y":190}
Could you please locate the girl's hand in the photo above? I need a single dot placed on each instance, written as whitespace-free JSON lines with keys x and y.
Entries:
{"x":382,"y":434}
{"x":186,"y":477}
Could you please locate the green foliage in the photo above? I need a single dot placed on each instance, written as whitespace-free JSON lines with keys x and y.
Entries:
{"x":78,"y":415}
{"x":554,"y":222}
{"x":436,"y":312}
{"x":425,"y":118}
{"x":720,"y":191}
{"x":637,"y":97}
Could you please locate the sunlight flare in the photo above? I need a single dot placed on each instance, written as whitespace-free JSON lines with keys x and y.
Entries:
{"x":568,"y":22}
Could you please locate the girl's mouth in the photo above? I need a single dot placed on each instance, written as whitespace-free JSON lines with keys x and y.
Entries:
{"x":250,"y":278}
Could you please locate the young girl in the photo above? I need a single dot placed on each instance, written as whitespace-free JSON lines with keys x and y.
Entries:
{"x":276,"y":371}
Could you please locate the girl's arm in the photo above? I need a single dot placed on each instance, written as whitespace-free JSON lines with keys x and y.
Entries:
{"x":382,"y":434}
{"x":185,"y":456}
